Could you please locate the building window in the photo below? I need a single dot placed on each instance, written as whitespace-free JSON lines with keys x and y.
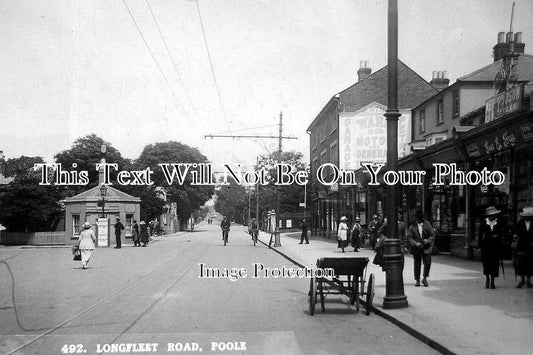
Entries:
{"x":313,"y":138}
{"x":422,"y":120}
{"x":334,"y":153}
{"x":455,"y":103}
{"x":129,"y":223}
{"x":440,"y":112}
{"x":332,"y":125}
{"x":75,"y":224}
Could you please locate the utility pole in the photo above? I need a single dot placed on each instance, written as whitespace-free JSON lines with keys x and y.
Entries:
{"x":280,"y":138}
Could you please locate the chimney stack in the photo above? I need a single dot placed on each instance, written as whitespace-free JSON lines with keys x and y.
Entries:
{"x":364,"y":70}
{"x":439,"y":80}
{"x":508,"y":42}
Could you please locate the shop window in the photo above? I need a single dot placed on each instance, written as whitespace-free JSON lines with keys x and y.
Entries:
{"x":75,"y":224}
{"x":524,"y":179}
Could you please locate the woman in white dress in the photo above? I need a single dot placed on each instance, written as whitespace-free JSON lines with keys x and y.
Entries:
{"x":86,"y":243}
{"x":342,"y":234}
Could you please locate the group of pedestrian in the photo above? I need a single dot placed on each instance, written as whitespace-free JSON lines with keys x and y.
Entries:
{"x":490,"y":242}
{"x":140,"y":234}
{"x":347,"y":235}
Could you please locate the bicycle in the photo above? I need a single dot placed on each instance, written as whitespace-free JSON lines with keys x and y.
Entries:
{"x":255,"y":232}
{"x":225,"y":235}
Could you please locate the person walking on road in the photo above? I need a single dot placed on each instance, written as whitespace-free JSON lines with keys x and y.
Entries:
{"x":356,"y":233}
{"x":421,"y":237}
{"x":119,"y":227}
{"x":342,"y":234}
{"x":145,"y":236}
{"x":136,"y":234}
{"x":303,"y":226}
{"x":523,"y":252}
{"x":490,"y":243}
{"x":86,"y":244}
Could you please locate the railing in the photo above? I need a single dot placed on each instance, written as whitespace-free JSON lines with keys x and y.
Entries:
{"x":36,"y":238}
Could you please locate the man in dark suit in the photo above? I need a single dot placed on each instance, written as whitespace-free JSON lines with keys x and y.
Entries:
{"x":421,"y":237}
{"x":119,"y":227}
{"x":303,"y":226}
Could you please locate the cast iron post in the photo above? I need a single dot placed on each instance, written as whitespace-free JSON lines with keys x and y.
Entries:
{"x":393,"y":257}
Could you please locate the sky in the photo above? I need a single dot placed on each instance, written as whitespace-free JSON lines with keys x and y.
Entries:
{"x":137,"y":72}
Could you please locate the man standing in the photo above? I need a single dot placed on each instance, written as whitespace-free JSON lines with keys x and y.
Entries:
{"x":119,"y":227}
{"x":225,"y":226}
{"x":303,"y":226}
{"x":421,"y":237}
{"x":524,"y":248}
{"x":373,"y":228}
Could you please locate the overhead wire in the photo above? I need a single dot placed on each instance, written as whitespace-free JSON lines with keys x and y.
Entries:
{"x":211,"y":64}
{"x":155,"y":60}
{"x":174,"y":65}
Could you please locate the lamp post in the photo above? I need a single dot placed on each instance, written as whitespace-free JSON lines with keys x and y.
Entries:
{"x":103,"y":192}
{"x":393,"y":257}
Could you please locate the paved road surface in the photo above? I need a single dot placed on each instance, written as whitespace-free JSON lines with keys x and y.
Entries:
{"x":155,"y":295}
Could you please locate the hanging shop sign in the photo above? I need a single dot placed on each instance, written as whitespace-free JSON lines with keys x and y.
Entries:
{"x":504,"y":103}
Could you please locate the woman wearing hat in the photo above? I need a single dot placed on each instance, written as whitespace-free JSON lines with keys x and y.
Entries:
{"x":524,"y":247}
{"x":490,"y":242}
{"x":342,"y":234}
{"x":144,"y":233}
{"x":355,"y":235}
{"x":86,"y":244}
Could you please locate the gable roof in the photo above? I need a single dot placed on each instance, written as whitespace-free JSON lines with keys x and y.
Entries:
{"x":93,"y":195}
{"x":488,"y":73}
{"x":412,"y":89}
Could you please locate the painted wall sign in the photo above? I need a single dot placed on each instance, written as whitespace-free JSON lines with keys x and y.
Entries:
{"x":363,"y":136}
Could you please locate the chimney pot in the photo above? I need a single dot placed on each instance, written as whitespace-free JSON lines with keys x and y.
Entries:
{"x":501,"y":37}
{"x":518,"y":37}
{"x":364,"y":71}
{"x":439,"y":81}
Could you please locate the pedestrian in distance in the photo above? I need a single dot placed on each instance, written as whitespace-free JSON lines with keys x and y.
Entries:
{"x":490,"y":243}
{"x":523,"y":251}
{"x":303,"y":226}
{"x":225,"y":226}
{"x":342,"y":234}
{"x":421,"y":237}
{"x":145,"y":236}
{"x":119,"y":227}
{"x":355,"y":234}
{"x":86,"y":244}
{"x":136,"y":234}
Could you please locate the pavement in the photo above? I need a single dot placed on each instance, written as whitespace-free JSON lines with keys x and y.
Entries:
{"x":456,"y":314}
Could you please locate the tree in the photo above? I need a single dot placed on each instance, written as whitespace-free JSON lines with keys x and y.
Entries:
{"x":86,"y":153}
{"x":188,"y":197}
{"x":24,"y":204}
{"x":290,"y":195}
{"x":232,"y":201}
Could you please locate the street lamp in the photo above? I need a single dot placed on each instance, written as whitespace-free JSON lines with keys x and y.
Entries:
{"x":103,"y":192}
{"x":392,"y":256}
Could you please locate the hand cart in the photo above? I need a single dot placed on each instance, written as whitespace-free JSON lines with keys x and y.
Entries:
{"x":350,"y":279}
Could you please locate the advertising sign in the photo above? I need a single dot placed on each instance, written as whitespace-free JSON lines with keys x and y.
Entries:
{"x":103,"y":232}
{"x":363,"y":136}
{"x":503,"y":103}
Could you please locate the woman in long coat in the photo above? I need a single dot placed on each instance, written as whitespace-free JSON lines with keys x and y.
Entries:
{"x":144,"y":233}
{"x":342,"y":234}
{"x":523,"y":252}
{"x":490,"y":242}
{"x":86,"y":244}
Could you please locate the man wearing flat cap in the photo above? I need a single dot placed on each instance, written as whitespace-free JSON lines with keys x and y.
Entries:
{"x":524,"y":247}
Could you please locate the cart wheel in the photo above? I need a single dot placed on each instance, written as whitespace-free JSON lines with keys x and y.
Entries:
{"x":312,"y":296}
{"x":354,"y":298}
{"x":369,"y":294}
{"x":321,"y":287}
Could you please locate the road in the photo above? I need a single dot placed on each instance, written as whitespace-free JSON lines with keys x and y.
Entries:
{"x":155,"y":300}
